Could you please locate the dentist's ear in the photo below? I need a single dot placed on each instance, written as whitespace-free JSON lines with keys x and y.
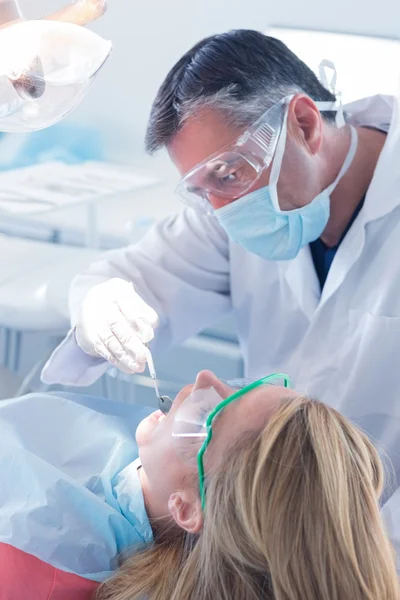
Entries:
{"x":305,"y":122}
{"x":185,"y":508}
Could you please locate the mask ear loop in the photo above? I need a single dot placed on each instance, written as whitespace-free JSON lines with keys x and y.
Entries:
{"x":281,"y":145}
{"x":331,"y":86}
{"x":277,"y":161}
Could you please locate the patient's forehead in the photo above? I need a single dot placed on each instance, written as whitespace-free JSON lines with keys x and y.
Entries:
{"x":249,"y":413}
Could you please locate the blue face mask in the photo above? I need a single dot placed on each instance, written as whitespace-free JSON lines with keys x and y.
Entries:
{"x":257,"y":223}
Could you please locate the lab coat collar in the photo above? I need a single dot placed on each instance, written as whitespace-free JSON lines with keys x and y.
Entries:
{"x":380,"y":111}
{"x":382,"y":197}
{"x":376,"y":110}
{"x":383,"y":194}
{"x":302,"y":278}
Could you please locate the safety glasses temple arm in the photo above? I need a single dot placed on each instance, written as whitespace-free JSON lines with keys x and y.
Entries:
{"x":245,"y":390}
{"x":221,"y":406}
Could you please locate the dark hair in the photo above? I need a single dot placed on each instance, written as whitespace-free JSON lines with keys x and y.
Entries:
{"x":240,"y":73}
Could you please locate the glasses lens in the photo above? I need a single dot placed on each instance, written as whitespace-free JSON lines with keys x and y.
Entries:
{"x":240,"y":383}
{"x":194,"y":200}
{"x":189,"y":428}
{"x":228,"y":175}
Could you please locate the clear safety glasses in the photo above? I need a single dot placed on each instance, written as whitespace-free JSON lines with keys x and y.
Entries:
{"x":232,"y":171}
{"x":46,"y":68}
{"x":192,"y":428}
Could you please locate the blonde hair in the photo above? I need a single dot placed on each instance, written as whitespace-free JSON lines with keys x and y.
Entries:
{"x":291,"y":514}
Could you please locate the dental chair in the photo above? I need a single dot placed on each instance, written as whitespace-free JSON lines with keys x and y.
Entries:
{"x":34,"y":282}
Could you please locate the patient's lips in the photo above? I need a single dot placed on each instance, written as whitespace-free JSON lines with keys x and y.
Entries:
{"x":158,"y":416}
{"x":161,"y":417}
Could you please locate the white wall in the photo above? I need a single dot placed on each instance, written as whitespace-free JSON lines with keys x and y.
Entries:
{"x":365,"y":65}
{"x":149,"y":36}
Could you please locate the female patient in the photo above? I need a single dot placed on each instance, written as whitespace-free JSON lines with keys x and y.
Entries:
{"x":251,"y":493}
{"x":279,"y":502}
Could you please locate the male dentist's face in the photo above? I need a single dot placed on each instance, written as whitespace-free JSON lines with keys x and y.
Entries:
{"x":303,"y":171}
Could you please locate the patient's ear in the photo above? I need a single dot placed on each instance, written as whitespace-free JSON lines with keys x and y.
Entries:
{"x":185,"y":508}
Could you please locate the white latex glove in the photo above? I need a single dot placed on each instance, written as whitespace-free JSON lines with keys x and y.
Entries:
{"x":115,"y":323}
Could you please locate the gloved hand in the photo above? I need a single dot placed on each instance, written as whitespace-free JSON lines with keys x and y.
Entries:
{"x":115,"y":323}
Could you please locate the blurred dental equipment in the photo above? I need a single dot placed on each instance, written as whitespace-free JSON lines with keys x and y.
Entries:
{"x":164,"y":402}
{"x":57,"y":185}
{"x":47,"y":66}
{"x":49,"y":187}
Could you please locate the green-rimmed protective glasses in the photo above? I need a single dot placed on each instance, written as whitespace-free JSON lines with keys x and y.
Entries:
{"x":193,"y":423}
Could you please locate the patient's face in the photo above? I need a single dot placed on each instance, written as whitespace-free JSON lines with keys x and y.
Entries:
{"x":163,"y":472}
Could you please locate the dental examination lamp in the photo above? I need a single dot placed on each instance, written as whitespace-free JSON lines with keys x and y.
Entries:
{"x":47,"y":66}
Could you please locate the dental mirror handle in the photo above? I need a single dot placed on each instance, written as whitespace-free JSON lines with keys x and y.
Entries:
{"x":164,"y":402}
{"x":152,"y":371}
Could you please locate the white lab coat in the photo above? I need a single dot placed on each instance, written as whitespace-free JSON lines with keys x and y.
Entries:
{"x":341,"y":346}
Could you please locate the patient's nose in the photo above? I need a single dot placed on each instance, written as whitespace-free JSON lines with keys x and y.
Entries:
{"x":207,"y":379}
